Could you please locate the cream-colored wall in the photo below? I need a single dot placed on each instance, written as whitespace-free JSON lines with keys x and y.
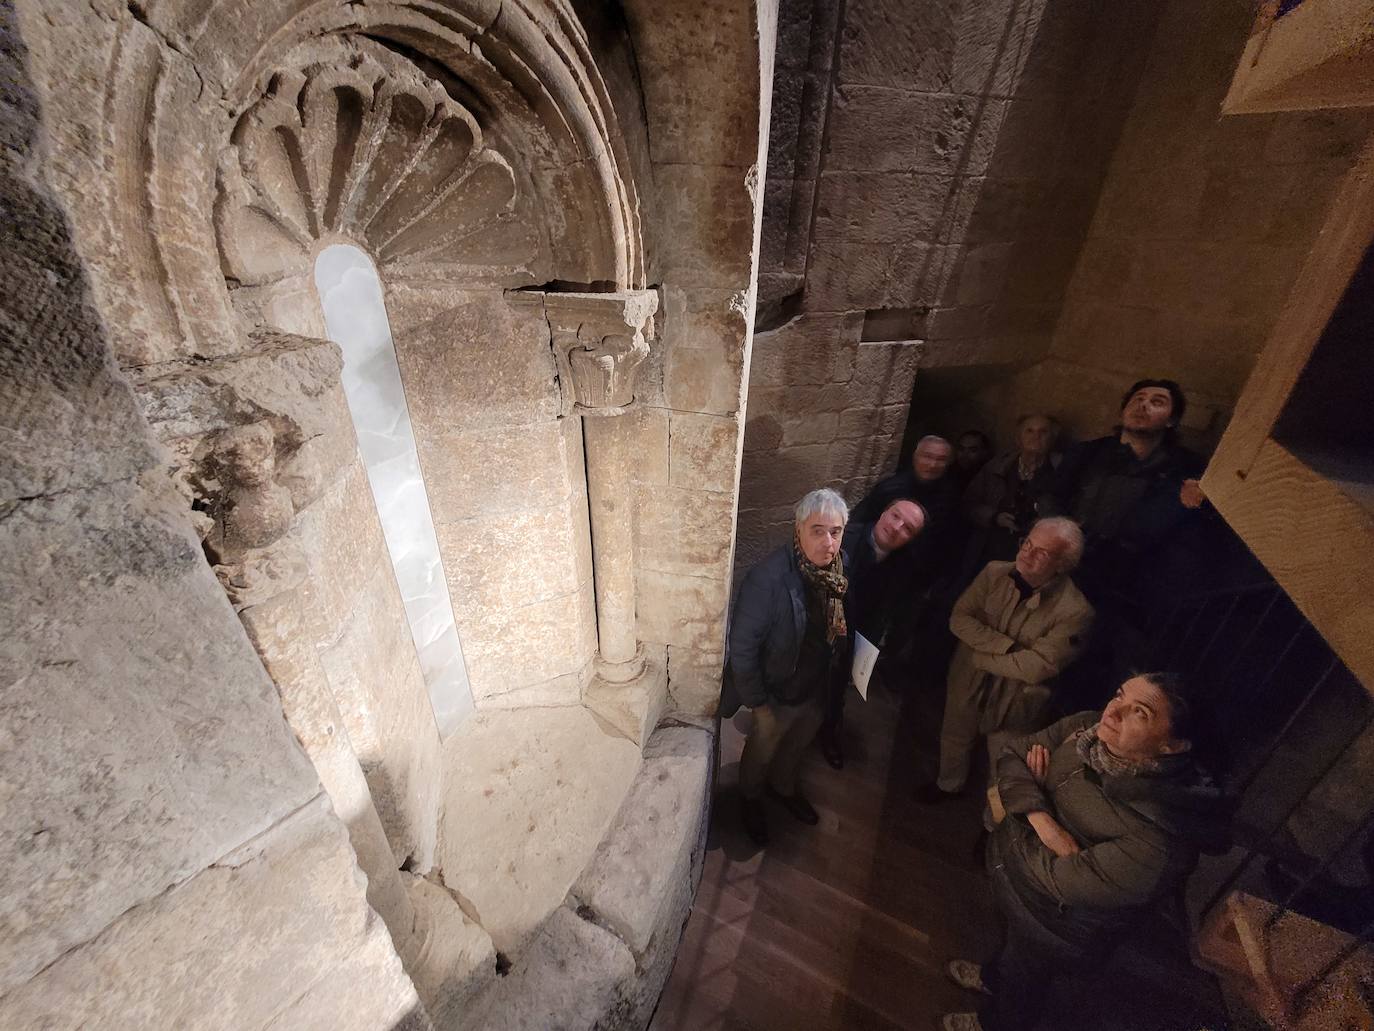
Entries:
{"x":1199,"y":230}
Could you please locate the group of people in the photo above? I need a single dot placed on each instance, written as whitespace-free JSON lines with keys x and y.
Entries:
{"x":1031,"y":564}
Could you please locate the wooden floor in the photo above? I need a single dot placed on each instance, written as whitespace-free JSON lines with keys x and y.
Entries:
{"x":847,"y":925}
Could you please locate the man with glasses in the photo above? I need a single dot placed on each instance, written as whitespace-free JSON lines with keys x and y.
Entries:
{"x":1019,"y":624}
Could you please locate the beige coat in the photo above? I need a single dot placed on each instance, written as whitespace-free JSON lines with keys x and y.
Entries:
{"x":1009,"y":648}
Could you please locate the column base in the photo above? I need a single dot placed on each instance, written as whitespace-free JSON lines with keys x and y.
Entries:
{"x":634,"y":706}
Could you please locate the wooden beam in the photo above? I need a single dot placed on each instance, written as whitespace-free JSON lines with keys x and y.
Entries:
{"x":1318,"y":56}
{"x":1317,"y":541}
{"x":1336,"y":253}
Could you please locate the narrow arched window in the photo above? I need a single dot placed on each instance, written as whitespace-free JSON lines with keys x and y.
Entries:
{"x":355,"y":315}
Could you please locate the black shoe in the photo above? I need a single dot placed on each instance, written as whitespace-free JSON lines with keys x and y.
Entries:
{"x":931,"y":794}
{"x":799,"y":807}
{"x":830,"y":748}
{"x":755,"y":821}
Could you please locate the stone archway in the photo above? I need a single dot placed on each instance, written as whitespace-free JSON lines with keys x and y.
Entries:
{"x":206,"y":152}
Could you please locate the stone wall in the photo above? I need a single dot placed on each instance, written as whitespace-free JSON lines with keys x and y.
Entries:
{"x":507,"y":488}
{"x":933,"y":171}
{"x":204,"y":154}
{"x":1198,"y":232}
{"x":701,"y":157}
{"x":170,"y":857}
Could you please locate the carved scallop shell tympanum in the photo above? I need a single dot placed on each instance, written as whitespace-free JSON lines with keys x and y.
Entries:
{"x":384,"y":158}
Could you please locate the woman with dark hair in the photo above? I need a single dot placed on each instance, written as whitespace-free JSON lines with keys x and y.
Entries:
{"x":1104,"y":815}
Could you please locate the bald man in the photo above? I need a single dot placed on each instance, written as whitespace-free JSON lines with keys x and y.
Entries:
{"x":881,"y":563}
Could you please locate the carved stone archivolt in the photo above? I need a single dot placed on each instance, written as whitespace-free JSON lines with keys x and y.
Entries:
{"x":380,"y":155}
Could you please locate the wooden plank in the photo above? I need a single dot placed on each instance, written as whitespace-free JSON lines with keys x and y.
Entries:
{"x":1320,"y":55}
{"x":1318,"y":543}
{"x":1346,"y":233}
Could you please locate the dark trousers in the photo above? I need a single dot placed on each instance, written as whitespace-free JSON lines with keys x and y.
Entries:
{"x":838,"y":688}
{"x":1019,"y":977}
{"x":1020,"y":974}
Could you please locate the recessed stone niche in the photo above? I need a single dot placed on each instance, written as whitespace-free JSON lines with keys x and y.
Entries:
{"x":555,"y":324}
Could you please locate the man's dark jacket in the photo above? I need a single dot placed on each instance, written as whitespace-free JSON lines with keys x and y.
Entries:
{"x":940,"y":499}
{"x":766,"y":630}
{"x":874,"y":586}
{"x":939,"y":547}
{"x":1127,"y":507}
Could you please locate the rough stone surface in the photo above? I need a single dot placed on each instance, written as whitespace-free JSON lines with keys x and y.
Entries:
{"x":278,"y":631}
{"x":679,"y":532}
{"x":375,"y":677}
{"x":449,"y":957}
{"x":276,"y":930}
{"x":602,"y":959}
{"x":572,"y":975}
{"x":528,"y":794}
{"x":203,"y":154}
{"x":633,"y":708}
{"x":695,"y":676}
{"x":142,"y":739}
{"x":682,"y":610}
{"x":639,"y":883}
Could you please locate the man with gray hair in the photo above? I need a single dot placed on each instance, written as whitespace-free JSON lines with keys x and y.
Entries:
{"x":787,"y":618}
{"x":926,"y":483}
{"x":1019,"y":624}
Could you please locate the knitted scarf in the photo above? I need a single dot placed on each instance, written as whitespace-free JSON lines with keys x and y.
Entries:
{"x":1106,"y":763}
{"x":832,"y":584}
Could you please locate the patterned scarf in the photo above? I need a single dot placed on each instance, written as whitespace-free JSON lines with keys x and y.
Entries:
{"x":1106,"y":763}
{"x":832,"y":584}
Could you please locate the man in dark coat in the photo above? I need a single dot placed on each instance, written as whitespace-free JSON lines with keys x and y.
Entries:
{"x":1104,"y":816}
{"x":971,"y":452}
{"x":926,"y":483}
{"x":787,"y":619}
{"x":879,"y":561}
{"x":1000,"y":502}
{"x":918,"y":626}
{"x":1129,"y":490}
{"x":1132,"y":493}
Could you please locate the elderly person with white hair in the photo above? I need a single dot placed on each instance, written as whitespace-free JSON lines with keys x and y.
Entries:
{"x":1019,"y":624}
{"x":788,"y":616}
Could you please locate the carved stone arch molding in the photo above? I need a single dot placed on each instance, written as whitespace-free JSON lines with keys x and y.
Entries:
{"x":371,"y":150}
{"x":217,"y":112}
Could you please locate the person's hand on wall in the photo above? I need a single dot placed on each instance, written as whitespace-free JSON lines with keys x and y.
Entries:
{"x":1191,"y":495}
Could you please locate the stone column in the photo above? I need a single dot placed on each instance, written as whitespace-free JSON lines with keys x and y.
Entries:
{"x":600,"y":343}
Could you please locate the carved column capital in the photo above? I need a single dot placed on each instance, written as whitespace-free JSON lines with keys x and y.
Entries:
{"x":600,"y":341}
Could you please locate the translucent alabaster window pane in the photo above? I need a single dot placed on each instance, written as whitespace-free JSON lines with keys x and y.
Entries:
{"x":356,"y":317}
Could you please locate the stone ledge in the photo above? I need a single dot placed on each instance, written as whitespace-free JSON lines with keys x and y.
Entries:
{"x":601,"y":959}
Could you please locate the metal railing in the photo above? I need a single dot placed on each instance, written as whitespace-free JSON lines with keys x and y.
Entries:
{"x":1289,"y":713}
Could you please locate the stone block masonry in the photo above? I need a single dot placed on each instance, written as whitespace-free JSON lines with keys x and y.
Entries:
{"x":224,"y":770}
{"x":937,"y":169}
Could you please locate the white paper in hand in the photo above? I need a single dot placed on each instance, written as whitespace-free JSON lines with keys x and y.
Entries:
{"x":865,"y":658}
